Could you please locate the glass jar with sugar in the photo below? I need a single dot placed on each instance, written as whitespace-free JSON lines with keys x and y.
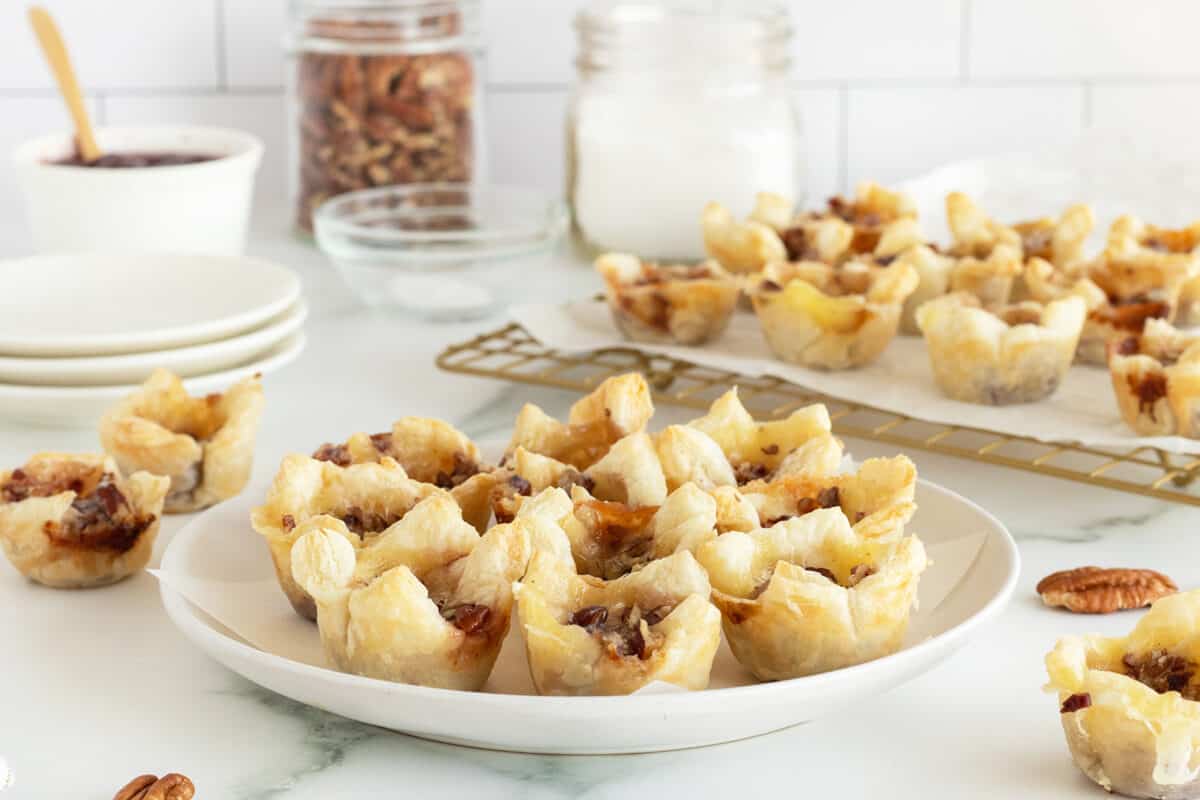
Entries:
{"x":678,"y":102}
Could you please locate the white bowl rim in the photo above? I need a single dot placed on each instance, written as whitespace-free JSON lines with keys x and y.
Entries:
{"x":185,"y":616}
{"x":245,"y":146}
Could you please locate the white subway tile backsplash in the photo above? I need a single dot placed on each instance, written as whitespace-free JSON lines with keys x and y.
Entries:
{"x":253,"y":39}
{"x":261,"y":115}
{"x":1083,"y":38}
{"x":526,"y":138}
{"x":1164,"y":117}
{"x":821,"y":119}
{"x":530,"y":41}
{"x":896,"y":133}
{"x":142,"y":44}
{"x":870,"y":40}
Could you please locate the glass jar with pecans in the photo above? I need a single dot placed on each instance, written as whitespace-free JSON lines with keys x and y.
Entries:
{"x":382,"y":93}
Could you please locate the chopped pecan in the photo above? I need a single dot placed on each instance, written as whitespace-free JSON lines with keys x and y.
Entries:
{"x":1094,"y":590}
{"x":171,"y":786}
{"x":1076,"y":702}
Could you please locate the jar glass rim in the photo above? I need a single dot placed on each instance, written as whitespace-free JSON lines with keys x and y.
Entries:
{"x":611,"y":16}
{"x":338,"y":25}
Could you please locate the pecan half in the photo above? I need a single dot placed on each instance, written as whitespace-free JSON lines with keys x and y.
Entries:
{"x":1095,"y":590}
{"x":171,"y":786}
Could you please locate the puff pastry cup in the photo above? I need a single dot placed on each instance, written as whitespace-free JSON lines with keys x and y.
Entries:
{"x":1018,"y":354}
{"x":1133,"y":238}
{"x":368,"y":498}
{"x":831,"y":318}
{"x":810,"y":594}
{"x":681,"y":304}
{"x":989,"y":254}
{"x":588,"y":636}
{"x":431,"y":451}
{"x":1129,"y":705}
{"x":425,"y":602}
{"x":73,"y":521}
{"x":619,"y":406}
{"x":1156,"y":379}
{"x":205,"y":445}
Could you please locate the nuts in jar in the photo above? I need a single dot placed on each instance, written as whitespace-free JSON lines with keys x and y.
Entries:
{"x":383,"y":96}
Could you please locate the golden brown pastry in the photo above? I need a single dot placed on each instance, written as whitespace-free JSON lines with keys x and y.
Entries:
{"x":877,"y":498}
{"x":431,"y":451}
{"x":1131,"y":238}
{"x":810,"y":594}
{"x":870,"y":215}
{"x":588,"y":636}
{"x":740,"y":247}
{"x":989,"y":254}
{"x":1018,"y":354}
{"x":426,"y":602}
{"x":619,"y":406}
{"x":1129,"y":705}
{"x":831,"y":318}
{"x":1156,"y":378}
{"x":368,"y":498}
{"x":1058,"y":240}
{"x":205,"y":445}
{"x":935,"y":275}
{"x":680,"y":304}
{"x":73,"y":522}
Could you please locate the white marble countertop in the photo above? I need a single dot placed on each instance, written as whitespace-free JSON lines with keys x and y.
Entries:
{"x":97,"y":686}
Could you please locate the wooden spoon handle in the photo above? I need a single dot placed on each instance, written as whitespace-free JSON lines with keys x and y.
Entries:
{"x":60,"y":64}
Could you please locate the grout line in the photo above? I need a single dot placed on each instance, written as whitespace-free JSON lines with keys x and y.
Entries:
{"x":843,"y":170}
{"x":964,"y":41}
{"x":222,"y":60}
{"x":1087,"y":104}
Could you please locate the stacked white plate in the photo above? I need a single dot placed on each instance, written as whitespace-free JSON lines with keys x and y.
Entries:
{"x":80,"y":331}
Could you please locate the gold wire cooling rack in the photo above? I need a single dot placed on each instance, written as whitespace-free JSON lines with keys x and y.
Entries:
{"x":511,"y":354}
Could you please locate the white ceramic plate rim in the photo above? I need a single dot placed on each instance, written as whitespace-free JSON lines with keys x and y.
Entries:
{"x":251,"y":344}
{"x":135,"y":341}
{"x":281,"y":354}
{"x":185,"y":617}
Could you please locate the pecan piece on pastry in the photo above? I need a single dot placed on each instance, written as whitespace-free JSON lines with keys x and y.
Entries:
{"x":368,"y":498}
{"x":426,"y":602}
{"x":1133,"y":238}
{"x":681,"y":304}
{"x":728,"y":447}
{"x":610,"y":539}
{"x":619,"y":406}
{"x":588,"y":636}
{"x":1014,"y":354}
{"x":811,"y":594}
{"x":877,"y":498}
{"x":831,"y":317}
{"x":1156,"y":379}
{"x":1130,"y":706}
{"x":73,"y":521}
{"x":205,"y":445}
{"x":431,"y":451}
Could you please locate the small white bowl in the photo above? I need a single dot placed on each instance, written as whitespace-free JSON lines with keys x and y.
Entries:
{"x":187,"y":208}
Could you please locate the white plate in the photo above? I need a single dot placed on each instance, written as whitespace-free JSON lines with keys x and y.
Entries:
{"x":220,"y":545}
{"x":200,"y":359}
{"x":82,"y":407}
{"x":91,"y":304}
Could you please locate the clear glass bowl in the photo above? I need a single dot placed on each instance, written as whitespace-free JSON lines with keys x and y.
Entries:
{"x":443,"y":251}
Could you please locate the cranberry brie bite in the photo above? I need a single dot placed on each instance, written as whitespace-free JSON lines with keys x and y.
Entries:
{"x":989,"y":254}
{"x":1014,"y":354}
{"x":677,"y":303}
{"x":205,"y":445}
{"x":72,"y":521}
{"x":431,"y":451}
{"x":1130,"y":706}
{"x":1134,"y":239}
{"x":425,"y":602}
{"x":1156,"y":378}
{"x":588,"y":636}
{"x":619,"y":406}
{"x":831,"y":317}
{"x":367,"y":498}
{"x":810,"y":594}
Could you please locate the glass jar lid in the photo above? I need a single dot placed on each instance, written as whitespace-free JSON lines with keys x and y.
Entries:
{"x":410,"y":26}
